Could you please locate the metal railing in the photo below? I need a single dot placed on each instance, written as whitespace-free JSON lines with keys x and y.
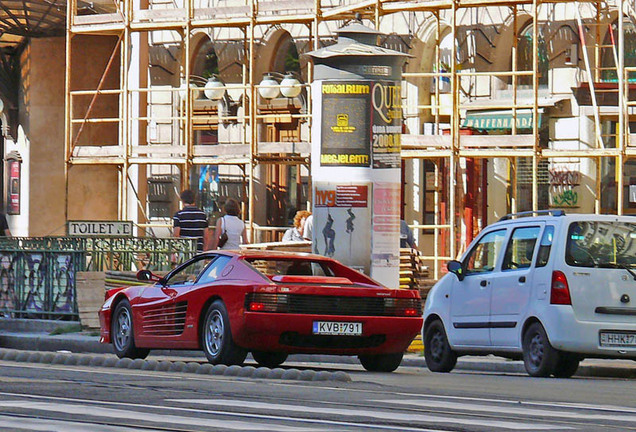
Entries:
{"x":38,"y":275}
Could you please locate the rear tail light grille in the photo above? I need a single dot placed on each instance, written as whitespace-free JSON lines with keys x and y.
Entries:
{"x":333,"y":305}
{"x":560,"y":290}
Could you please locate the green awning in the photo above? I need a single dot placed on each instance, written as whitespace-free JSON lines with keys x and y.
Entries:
{"x":493,"y":120}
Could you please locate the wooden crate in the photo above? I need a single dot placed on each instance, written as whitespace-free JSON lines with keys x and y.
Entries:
{"x":90,"y":297}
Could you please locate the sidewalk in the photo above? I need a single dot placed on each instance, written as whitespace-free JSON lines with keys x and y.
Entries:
{"x":21,"y":338}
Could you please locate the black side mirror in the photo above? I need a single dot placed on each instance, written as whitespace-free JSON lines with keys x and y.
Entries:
{"x":456,"y":267}
{"x":147,"y":275}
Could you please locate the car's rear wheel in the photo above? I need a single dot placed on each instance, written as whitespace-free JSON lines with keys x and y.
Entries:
{"x":216,"y":337}
{"x":539,"y":357}
{"x":567,"y":365}
{"x":381,"y":362}
{"x":269,"y":359}
{"x":123,"y":336}
{"x":437,"y":351}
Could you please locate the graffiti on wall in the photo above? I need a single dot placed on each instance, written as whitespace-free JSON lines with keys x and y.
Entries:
{"x":565,"y":181}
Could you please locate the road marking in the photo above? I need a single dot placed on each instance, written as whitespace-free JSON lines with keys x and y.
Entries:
{"x":329,"y":424}
{"x":119,"y":414}
{"x":375,"y":414}
{"x":514,"y":410}
{"x":34,"y":424}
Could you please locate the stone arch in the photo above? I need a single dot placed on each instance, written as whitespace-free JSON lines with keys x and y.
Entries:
{"x":271,"y":56}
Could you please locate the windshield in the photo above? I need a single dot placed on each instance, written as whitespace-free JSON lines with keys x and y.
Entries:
{"x":601,"y":244}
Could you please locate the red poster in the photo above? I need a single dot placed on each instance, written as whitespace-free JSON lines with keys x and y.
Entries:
{"x":13,"y":197}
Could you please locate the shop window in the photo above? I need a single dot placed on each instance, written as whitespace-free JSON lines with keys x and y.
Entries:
{"x":213,"y":189}
{"x":430,"y":187}
{"x":525,"y":57}
{"x":524,"y":184}
{"x":609,"y":193}
{"x":608,"y":52}
{"x":162,"y":196}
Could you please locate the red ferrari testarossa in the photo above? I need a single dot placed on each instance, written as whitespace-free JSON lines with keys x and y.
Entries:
{"x":268,"y":303}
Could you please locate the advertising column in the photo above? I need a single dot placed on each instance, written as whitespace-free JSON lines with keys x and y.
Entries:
{"x":356,"y":153}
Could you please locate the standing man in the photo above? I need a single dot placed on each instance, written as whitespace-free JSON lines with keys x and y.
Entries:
{"x":191,"y":221}
{"x":4,"y":226}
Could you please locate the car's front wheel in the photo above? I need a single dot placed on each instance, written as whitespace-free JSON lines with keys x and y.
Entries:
{"x":123,"y":336}
{"x":216,"y":337}
{"x":269,"y":359}
{"x":539,"y":357}
{"x":437,"y":351}
{"x":381,"y":362}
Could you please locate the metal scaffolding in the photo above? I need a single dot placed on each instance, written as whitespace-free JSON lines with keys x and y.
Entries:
{"x":448,"y":152}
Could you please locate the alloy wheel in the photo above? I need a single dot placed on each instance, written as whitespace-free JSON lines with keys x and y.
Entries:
{"x":214,"y":333}
{"x":122,"y":336}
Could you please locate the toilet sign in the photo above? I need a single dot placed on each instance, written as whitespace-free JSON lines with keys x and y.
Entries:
{"x":100,"y":228}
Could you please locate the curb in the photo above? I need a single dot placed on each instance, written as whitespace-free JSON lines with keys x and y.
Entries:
{"x":90,"y":345}
{"x":61,"y":358}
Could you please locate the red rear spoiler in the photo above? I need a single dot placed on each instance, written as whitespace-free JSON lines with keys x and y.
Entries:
{"x":312,"y":279}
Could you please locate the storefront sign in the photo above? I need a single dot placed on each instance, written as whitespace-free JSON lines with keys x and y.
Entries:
{"x":100,"y":228}
{"x":493,"y":120}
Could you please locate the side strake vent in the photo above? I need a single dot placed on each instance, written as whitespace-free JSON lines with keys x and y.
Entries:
{"x":165,"y":320}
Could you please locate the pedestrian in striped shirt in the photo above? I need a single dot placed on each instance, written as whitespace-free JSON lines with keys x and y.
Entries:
{"x":191,"y":221}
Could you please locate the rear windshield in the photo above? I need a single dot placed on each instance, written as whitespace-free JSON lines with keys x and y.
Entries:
{"x":601,"y":244}
{"x":292,"y":267}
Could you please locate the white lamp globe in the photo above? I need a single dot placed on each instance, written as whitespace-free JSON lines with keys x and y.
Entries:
{"x":184,"y":88}
{"x":214,"y":88}
{"x":269,"y":87}
{"x":290,"y":87}
{"x":1,"y":105}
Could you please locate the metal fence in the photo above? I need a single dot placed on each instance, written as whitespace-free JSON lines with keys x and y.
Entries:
{"x":37,"y":275}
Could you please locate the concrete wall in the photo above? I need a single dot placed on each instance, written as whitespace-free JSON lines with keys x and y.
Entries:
{"x":92,"y":190}
{"x":42,"y":122}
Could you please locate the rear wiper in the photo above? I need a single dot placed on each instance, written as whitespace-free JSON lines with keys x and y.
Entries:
{"x":618,"y":265}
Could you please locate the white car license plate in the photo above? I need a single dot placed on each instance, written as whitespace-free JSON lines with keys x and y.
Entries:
{"x":618,"y":339}
{"x":337,"y":328}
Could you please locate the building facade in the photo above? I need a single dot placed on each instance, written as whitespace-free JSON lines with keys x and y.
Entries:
{"x":507,"y":107}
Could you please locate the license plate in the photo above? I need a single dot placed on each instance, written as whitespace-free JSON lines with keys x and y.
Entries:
{"x":337,"y":328}
{"x":618,"y":339}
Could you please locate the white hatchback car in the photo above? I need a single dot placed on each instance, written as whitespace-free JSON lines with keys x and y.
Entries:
{"x":551,"y":289}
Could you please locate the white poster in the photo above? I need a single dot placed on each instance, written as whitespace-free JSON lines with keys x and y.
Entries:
{"x":342,"y":223}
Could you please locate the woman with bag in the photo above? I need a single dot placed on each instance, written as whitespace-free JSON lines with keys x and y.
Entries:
{"x":230,"y":229}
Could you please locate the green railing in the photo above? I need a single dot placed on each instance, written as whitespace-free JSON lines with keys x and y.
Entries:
{"x":37,"y":275}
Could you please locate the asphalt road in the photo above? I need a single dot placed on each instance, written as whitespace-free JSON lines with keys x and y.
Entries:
{"x":50,"y":397}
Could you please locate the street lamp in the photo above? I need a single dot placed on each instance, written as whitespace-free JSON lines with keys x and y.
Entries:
{"x":269,"y":88}
{"x":214,"y":88}
{"x":290,"y":86}
{"x":193,"y":83}
{"x":275,"y":84}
